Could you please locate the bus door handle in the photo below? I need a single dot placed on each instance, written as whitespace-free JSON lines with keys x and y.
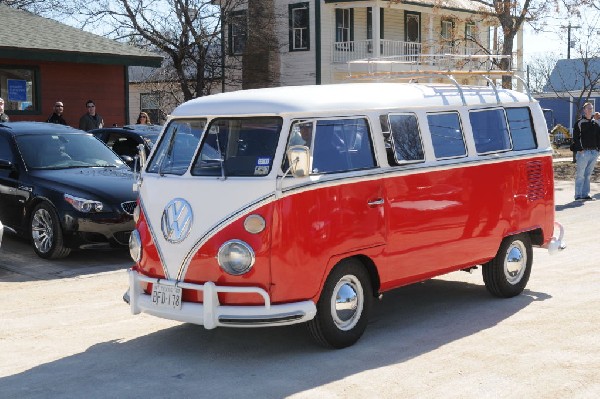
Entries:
{"x":378,"y":201}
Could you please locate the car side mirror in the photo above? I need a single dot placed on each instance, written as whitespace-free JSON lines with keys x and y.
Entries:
{"x":6,"y":164}
{"x":299,"y":160}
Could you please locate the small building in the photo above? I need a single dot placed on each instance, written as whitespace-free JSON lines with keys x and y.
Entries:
{"x":42,"y":61}
{"x":572,"y":82}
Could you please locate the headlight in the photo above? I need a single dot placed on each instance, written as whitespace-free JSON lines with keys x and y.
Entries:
{"x":84,"y":205}
{"x":135,"y":246}
{"x":235,"y":257}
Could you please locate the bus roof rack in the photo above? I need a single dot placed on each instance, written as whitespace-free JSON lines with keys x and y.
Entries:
{"x":434,"y":66}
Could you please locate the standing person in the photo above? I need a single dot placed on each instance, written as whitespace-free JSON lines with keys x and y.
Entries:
{"x":90,"y":120}
{"x":57,"y":115}
{"x":3,"y":116}
{"x":586,"y":140}
{"x":143,"y":119}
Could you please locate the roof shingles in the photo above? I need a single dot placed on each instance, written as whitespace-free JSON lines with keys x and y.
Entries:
{"x":33,"y":36}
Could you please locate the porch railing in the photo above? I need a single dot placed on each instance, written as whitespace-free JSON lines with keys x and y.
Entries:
{"x":441,"y":56}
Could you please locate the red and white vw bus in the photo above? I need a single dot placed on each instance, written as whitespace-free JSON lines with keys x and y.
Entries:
{"x":303,"y":204}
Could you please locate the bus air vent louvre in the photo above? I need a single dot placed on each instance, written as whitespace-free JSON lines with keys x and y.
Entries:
{"x":535,"y":181}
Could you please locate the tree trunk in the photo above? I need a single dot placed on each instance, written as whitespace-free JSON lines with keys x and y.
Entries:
{"x":261,"y":60}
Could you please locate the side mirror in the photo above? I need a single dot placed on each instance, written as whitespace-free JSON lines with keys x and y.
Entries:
{"x":299,"y":160}
{"x":6,"y":164}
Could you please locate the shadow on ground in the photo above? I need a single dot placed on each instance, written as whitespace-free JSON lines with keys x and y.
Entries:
{"x":188,"y":361}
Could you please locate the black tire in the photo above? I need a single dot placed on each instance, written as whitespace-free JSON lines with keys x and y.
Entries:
{"x":335,"y":325}
{"x":507,"y":274}
{"x":46,"y":233}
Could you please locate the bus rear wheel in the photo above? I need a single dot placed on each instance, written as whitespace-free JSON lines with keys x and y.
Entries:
{"x":507,"y":274}
{"x":344,"y":306}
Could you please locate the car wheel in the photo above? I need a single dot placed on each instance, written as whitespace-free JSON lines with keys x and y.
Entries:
{"x":46,"y":233}
{"x":344,"y":306}
{"x":507,"y":274}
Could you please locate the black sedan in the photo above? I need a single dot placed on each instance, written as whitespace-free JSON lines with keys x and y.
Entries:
{"x":63,"y":188}
{"x":124,"y":141}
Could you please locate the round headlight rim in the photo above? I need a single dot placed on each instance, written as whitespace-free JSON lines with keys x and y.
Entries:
{"x":249,"y":251}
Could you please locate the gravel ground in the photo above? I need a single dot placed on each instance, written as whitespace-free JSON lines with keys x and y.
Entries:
{"x":566,"y":170}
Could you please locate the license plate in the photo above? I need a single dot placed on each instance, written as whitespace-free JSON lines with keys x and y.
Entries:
{"x":166,"y":296}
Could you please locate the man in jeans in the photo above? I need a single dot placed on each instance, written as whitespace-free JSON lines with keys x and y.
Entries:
{"x":586,"y":140}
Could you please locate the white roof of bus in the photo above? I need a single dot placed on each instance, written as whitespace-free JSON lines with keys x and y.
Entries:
{"x":343,"y":98}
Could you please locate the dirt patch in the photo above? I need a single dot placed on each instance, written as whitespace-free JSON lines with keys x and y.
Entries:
{"x":566,"y":170}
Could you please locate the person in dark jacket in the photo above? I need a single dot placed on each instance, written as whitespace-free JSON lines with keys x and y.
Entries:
{"x":586,"y":141}
{"x":3,"y":116}
{"x":90,"y":120}
{"x":57,"y":115}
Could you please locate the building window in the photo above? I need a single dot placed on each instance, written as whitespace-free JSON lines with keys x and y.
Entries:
{"x":237,"y":32}
{"x":412,"y":27}
{"x":18,"y":88}
{"x":150,"y":104}
{"x":447,"y":30}
{"x":344,"y":22}
{"x":299,"y":27}
{"x":470,"y":38}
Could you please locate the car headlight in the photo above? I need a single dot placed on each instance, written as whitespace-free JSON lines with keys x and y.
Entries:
{"x":235,"y":257}
{"x":135,"y":246}
{"x":84,"y":205}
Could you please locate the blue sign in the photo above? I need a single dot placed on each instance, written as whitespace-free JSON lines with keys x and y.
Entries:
{"x":17,"y":90}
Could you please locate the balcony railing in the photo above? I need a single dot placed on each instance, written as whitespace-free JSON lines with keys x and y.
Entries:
{"x":343,"y":52}
{"x":442,"y":56}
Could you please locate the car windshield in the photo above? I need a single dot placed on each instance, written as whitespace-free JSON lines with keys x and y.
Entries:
{"x":66,"y":150}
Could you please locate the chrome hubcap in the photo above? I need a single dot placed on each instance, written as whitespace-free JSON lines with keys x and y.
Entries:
{"x":41,"y":230}
{"x":515,"y":262}
{"x":347,"y":302}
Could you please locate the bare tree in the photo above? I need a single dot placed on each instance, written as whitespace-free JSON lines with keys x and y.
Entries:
{"x":539,"y":69}
{"x":187,"y":32}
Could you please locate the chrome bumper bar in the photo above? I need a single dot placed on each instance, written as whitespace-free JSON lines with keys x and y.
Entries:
{"x":211,"y":313}
{"x":556,"y":244}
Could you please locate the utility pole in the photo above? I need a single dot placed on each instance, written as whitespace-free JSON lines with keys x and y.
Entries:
{"x":569,"y":27}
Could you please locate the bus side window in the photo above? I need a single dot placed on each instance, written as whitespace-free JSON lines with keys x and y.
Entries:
{"x":341,"y":145}
{"x":521,"y":128}
{"x":446,"y":135}
{"x":490,"y":130}
{"x":406,"y":144}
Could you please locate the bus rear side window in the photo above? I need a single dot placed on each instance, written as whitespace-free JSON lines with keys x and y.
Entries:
{"x":406,"y":138}
{"x":521,"y":129}
{"x":446,"y":135}
{"x":490,"y":130}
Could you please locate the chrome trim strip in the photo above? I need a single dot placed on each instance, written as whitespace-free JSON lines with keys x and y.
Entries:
{"x":232,"y":217}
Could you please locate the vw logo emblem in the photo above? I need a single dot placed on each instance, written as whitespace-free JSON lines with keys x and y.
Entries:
{"x":176,"y":221}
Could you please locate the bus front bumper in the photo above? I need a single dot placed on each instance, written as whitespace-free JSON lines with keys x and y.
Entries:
{"x":210,"y":313}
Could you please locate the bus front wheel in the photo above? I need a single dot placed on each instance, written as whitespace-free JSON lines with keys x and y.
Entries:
{"x":344,"y":306}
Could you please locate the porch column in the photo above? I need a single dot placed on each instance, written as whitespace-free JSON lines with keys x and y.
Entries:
{"x":519,"y":60}
{"x":376,"y":29}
